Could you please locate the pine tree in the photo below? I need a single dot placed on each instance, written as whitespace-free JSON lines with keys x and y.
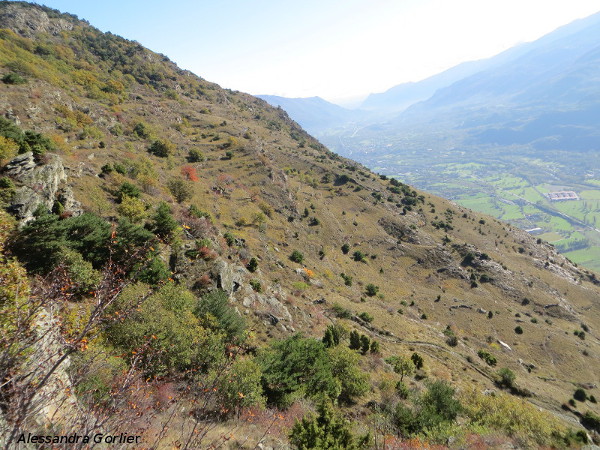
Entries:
{"x":417,"y":360}
{"x":354,"y":340}
{"x":163,"y":224}
{"x":365,"y":343}
{"x":331,"y":337}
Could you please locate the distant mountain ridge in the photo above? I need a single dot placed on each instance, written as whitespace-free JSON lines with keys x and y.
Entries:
{"x":313,"y":113}
{"x":556,"y":72}
{"x":556,"y":76}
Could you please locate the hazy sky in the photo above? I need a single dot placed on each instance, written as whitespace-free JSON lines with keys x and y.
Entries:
{"x":331,"y":48}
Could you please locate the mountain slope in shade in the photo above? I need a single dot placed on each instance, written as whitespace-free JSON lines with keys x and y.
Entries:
{"x":400,"y":97}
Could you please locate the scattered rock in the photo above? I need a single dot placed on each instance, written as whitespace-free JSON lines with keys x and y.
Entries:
{"x":229,"y":277}
{"x":505,"y":345}
{"x":460,"y":307}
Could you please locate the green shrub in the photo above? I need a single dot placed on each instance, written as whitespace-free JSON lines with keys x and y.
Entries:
{"x":39,"y":242}
{"x":366,"y":317}
{"x":141,"y":130}
{"x":195,"y":155}
{"x":417,"y":360}
{"x":153,"y":271}
{"x":452,"y":340}
{"x":365,"y":344}
{"x":371,"y":289}
{"x":36,"y":143}
{"x":341,"y":312}
{"x":96,"y":374}
{"x":181,"y":190}
{"x":355,"y":343}
{"x":27,"y":141}
{"x":229,"y":238}
{"x":435,"y":407}
{"x":487,"y":357}
{"x":133,"y":209}
{"x":580,"y":395}
{"x":120,"y":168}
{"x":375,"y":347}
{"x":7,"y":189}
{"x":347,"y":279}
{"x":165,"y":334}
{"x":358,"y":256}
{"x":80,"y":271}
{"x":345,"y":249}
{"x":240,"y":387}
{"x":106,"y":169}
{"x":130,"y":237}
{"x":252,"y":265}
{"x":256,"y":286}
{"x":401,"y":365}
{"x":513,"y":416}
{"x":127,"y":190}
{"x":438,"y":405}
{"x":325,"y":431}
{"x":162,"y":223}
{"x":518,"y":329}
{"x":591,"y":421}
{"x":297,"y":367}
{"x":506,"y":378}
{"x":161,"y":148}
{"x":13,"y":78}
{"x":332,"y":336}
{"x":216,"y":304}
{"x":297,"y":257}
{"x":402,"y":390}
{"x":344,"y":367}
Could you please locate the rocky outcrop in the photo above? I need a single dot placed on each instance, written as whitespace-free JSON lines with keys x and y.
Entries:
{"x":31,"y":20}
{"x":53,"y":402}
{"x":404,"y":232}
{"x":229,"y":277}
{"x":39,"y":184}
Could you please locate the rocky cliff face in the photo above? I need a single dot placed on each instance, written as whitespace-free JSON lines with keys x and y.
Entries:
{"x":39,"y":184}
{"x":31,"y":21}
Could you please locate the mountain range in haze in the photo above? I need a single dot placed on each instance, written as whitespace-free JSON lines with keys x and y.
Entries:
{"x":487,"y":133}
{"x":518,"y":90}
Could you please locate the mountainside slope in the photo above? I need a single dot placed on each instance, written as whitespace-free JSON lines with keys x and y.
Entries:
{"x":504,"y":138}
{"x":296,"y":236}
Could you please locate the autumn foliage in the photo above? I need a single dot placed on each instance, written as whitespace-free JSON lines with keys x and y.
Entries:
{"x":189,"y":173}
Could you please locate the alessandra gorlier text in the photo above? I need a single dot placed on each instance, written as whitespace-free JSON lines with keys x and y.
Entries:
{"x":97,"y":438}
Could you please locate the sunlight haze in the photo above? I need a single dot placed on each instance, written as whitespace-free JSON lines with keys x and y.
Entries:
{"x":332,"y":49}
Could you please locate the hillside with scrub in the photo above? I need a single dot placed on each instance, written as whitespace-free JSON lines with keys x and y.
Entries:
{"x":184,"y":263}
